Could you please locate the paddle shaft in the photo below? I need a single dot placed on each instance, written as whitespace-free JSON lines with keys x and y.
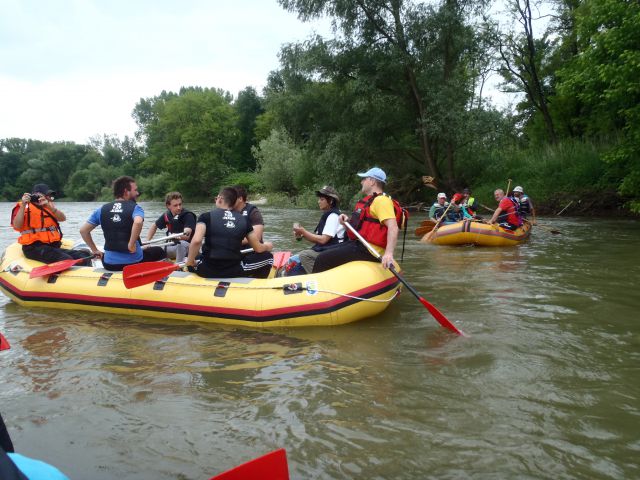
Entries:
{"x":442,"y":320}
{"x":163,"y":239}
{"x":435,"y":227}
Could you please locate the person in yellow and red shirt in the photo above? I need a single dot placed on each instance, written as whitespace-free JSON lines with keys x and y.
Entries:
{"x":375,"y":217}
{"x":38,"y":219}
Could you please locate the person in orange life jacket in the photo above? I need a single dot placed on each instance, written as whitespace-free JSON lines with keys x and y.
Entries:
{"x":222,"y":230}
{"x":121,"y":222}
{"x":507,"y":212}
{"x":525,"y":204}
{"x":254,"y":264}
{"x":38,"y":219}
{"x":375,"y":218}
{"x":176,"y":219}
{"x":469,"y":205}
{"x":328,"y":233}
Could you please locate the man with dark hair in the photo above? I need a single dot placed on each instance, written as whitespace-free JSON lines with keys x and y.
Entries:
{"x":222,"y":230}
{"x":121,"y":222}
{"x":254,"y":264}
{"x":37,"y":219}
{"x":176,"y":219}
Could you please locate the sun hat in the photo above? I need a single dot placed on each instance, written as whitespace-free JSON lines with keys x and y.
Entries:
{"x":376,"y":173}
{"x":518,"y":189}
{"x":328,"y":191}
{"x":442,"y":195}
{"x":44,"y":189}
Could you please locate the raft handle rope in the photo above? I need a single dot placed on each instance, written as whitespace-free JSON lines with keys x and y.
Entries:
{"x":288,"y":286}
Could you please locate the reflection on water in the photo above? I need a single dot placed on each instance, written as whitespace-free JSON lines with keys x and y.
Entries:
{"x":546,"y":385}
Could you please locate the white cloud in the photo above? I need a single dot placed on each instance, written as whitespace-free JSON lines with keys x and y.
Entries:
{"x":74,"y":69}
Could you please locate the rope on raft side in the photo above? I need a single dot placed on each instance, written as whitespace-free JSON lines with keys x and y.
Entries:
{"x":247,"y":287}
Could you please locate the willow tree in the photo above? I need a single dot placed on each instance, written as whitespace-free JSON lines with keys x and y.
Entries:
{"x":405,"y":64}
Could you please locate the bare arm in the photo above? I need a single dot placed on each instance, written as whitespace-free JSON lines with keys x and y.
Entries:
{"x":136,"y":229}
{"x":312,"y":237}
{"x":18,"y":220}
{"x":259,"y":247}
{"x":495,"y":216}
{"x":392,"y":240}
{"x":85,"y":233}
{"x":196,"y":243}
{"x":152,"y":231}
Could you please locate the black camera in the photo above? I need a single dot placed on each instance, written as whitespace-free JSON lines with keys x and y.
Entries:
{"x":35,"y":197}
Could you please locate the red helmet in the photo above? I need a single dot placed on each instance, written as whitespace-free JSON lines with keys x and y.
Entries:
{"x":457,"y":197}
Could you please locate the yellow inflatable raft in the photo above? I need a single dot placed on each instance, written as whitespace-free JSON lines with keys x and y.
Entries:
{"x":469,"y":232}
{"x":344,"y":294}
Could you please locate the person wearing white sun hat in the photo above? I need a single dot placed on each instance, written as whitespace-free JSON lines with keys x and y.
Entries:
{"x":526,"y":205}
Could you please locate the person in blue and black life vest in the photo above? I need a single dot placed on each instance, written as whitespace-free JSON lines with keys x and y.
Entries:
{"x":254,"y":264}
{"x":328,"y":233}
{"x":507,"y":213}
{"x":38,"y":219}
{"x":175,"y":219}
{"x":525,"y":203}
{"x":376,"y":217}
{"x":222,"y":231}
{"x":121,"y":222}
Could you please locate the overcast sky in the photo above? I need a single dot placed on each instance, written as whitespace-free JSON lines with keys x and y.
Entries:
{"x":73,"y":69}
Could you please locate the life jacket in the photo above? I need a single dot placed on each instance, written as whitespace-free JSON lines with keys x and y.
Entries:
{"x":116,"y":220}
{"x":524,"y":207}
{"x":512,"y":214}
{"x":470,"y":206}
{"x":370,"y":227}
{"x":40,"y":225}
{"x":246,"y":212}
{"x":439,"y":209}
{"x":223,"y":240}
{"x":320,"y":227}
{"x":176,"y":223}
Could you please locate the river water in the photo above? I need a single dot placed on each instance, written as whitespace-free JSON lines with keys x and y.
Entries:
{"x":546,"y":385}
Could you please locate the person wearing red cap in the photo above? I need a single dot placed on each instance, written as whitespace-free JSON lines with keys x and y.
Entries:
{"x":38,"y":219}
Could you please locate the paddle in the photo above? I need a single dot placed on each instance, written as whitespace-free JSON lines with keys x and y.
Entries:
{"x":56,"y":267}
{"x":421,"y":231}
{"x":433,"y":231}
{"x":442,"y":320}
{"x":272,"y":466}
{"x":426,"y":222}
{"x":4,"y":344}
{"x":163,"y":239}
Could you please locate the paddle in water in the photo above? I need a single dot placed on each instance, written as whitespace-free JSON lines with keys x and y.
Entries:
{"x":437,"y":314}
{"x":272,"y":466}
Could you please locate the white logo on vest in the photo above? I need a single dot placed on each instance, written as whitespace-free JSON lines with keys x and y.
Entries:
{"x":117,"y":208}
{"x":228,"y":215}
{"x":116,"y":218}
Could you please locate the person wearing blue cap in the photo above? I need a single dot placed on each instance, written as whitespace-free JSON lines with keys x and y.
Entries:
{"x":376,"y":217}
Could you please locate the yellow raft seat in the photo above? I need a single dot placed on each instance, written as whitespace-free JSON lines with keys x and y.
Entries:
{"x":469,"y":232}
{"x":344,"y":294}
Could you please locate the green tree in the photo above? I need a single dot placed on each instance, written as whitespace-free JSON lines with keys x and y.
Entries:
{"x":248,"y":107}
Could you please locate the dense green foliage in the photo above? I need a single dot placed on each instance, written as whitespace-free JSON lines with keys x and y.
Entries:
{"x":398,"y":85}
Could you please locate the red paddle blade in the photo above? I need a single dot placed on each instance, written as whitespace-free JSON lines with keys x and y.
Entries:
{"x":56,"y":267}
{"x":442,"y":320}
{"x":272,"y":466}
{"x":4,"y":345}
{"x":142,"y":273}
{"x":280,"y":258}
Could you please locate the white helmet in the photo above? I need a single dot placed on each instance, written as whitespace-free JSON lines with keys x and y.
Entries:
{"x":518,"y":189}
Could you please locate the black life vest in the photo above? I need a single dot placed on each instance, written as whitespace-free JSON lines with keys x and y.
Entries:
{"x":246,"y":212}
{"x":116,"y":220}
{"x":524,"y":206}
{"x":320,"y":227}
{"x":439,"y":210}
{"x":223,"y":240}
{"x":177,"y":223}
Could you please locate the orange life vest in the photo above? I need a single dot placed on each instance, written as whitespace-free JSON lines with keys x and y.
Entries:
{"x":40,"y":225}
{"x":370,"y":227}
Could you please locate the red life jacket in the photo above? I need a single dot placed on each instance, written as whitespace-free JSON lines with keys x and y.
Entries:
{"x":40,"y":225}
{"x":370,"y":227}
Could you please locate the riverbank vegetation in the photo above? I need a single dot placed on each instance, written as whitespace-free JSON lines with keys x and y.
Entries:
{"x":399,"y":85}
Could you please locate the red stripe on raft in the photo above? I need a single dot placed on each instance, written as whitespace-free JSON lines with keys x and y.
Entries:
{"x":201,"y":308}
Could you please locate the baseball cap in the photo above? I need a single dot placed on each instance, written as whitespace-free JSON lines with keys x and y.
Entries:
{"x":44,"y":189}
{"x":518,"y":189}
{"x":442,"y":195}
{"x":328,"y":191}
{"x":376,"y":173}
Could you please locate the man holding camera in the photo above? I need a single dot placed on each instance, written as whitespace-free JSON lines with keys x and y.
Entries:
{"x":37,"y":219}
